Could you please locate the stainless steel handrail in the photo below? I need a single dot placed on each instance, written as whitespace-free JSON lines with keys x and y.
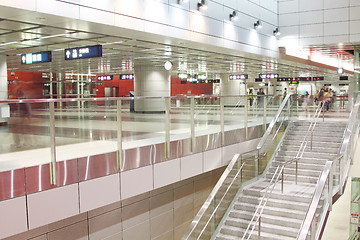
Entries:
{"x":273,"y":121}
{"x":306,"y":224}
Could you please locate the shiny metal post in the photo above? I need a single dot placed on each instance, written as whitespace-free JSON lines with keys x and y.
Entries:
{"x":282,"y":180}
{"x":331,"y":182}
{"x":264,"y":120}
{"x":51,"y":86}
{"x":52,"y":144}
{"x":167,"y":128}
{"x":222,"y":121}
{"x":259,"y":227}
{"x":296,"y":172}
{"x":257,"y":163}
{"x":246,"y":119}
{"x":311,"y":140}
{"x":119,"y":134}
{"x":192,"y":123}
{"x":323,"y":114}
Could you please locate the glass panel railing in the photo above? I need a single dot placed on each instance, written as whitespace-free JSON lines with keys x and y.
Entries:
{"x":238,"y":174}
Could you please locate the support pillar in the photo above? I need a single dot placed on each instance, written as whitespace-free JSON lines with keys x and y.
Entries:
{"x":232,"y":87}
{"x":356,"y":73}
{"x":4,"y":108}
{"x":151,"y":81}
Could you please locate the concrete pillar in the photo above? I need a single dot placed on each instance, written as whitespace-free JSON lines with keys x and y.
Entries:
{"x":151,"y":81}
{"x":4,"y":108}
{"x":356,"y":75}
{"x":232,"y":87}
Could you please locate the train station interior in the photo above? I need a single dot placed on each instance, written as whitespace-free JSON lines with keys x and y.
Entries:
{"x":179,"y":119}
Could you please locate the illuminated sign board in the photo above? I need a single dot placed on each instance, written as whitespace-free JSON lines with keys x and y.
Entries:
{"x":39,"y":57}
{"x":294,"y":82}
{"x":288,"y":79}
{"x":105,"y":78}
{"x":183,"y":82}
{"x":268,"y":76}
{"x":258,"y":80}
{"x":182,"y":75}
{"x":343,"y":78}
{"x":213,"y":81}
{"x":318,"y":78}
{"x":302,"y":79}
{"x":83,"y":52}
{"x":127,"y":76}
{"x":238,"y":77}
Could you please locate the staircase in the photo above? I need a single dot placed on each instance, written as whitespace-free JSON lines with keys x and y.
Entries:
{"x":284,"y":212}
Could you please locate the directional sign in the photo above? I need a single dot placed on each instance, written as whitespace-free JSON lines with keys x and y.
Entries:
{"x":126,"y":76}
{"x":236,"y":77}
{"x":39,"y":57}
{"x":105,"y":78}
{"x":83,"y":52}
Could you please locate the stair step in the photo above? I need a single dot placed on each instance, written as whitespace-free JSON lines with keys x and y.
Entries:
{"x":308,"y":148}
{"x":292,"y":170}
{"x":328,"y":156}
{"x":317,"y":166}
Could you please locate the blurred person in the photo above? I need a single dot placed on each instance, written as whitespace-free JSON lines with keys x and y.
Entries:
{"x":317,"y":97}
{"x":20,"y":117}
{"x":260,"y":96}
{"x":306,"y":100}
{"x":251,"y":97}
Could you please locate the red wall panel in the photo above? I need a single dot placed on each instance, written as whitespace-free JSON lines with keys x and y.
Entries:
{"x":195,"y":88}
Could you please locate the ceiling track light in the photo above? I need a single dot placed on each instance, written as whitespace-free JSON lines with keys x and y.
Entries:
{"x":233,"y":16}
{"x":257,"y":25}
{"x":276,"y":32}
{"x":202,"y":4}
{"x":182,"y":1}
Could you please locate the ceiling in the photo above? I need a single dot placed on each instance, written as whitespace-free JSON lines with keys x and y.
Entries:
{"x":120,"y":54}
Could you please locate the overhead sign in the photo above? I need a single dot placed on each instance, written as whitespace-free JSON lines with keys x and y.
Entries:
{"x":295,"y":81}
{"x":83,"y":52}
{"x":39,"y":57}
{"x":105,"y":78}
{"x":343,"y":78}
{"x":126,"y":76}
{"x":182,"y":75}
{"x":303,"y":79}
{"x":268,"y":76}
{"x":238,"y":77}
{"x":288,"y":79}
{"x":318,"y":78}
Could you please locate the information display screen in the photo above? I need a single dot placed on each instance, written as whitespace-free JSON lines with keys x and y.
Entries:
{"x":268,"y":75}
{"x":288,"y":79}
{"x":342,"y":78}
{"x":39,"y":57}
{"x":105,"y":78}
{"x":238,"y":77}
{"x":126,"y":76}
{"x":83,"y":52}
{"x":318,"y":78}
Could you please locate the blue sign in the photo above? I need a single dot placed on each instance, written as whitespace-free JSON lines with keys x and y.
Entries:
{"x":39,"y":57}
{"x":83,"y":52}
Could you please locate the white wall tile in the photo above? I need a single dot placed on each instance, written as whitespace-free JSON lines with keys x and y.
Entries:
{"x":354,"y":13}
{"x":290,"y":6}
{"x":292,"y":31}
{"x":336,"y":39}
{"x":129,"y":8}
{"x":310,"y":5}
{"x":57,"y":8}
{"x":99,"y":192}
{"x":155,"y":11}
{"x":354,"y":2}
{"x":336,"y":3}
{"x":336,"y":15}
{"x":136,"y":181}
{"x":289,"y":19}
{"x":191,"y":165}
{"x":355,"y":27}
{"x":338,"y":28}
{"x":28,"y":5}
{"x":93,"y":15}
{"x":312,"y":40}
{"x":166,"y":173}
{"x":13,"y":217}
{"x":52,"y":205}
{"x":107,"y":5}
{"x":313,"y":30}
{"x":311,"y":17}
{"x":212,"y":159}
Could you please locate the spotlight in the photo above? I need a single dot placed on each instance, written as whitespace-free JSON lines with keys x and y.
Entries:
{"x":180,"y":1}
{"x":168,"y":65}
{"x":340,"y":70}
{"x":202,"y":4}
{"x":276,"y":32}
{"x":257,"y":25}
{"x":234,"y":16}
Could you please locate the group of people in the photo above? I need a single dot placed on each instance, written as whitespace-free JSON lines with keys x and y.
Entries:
{"x":325,"y":95}
{"x":260,"y":98}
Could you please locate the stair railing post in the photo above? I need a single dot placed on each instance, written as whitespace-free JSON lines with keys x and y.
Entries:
{"x":296,"y":172}
{"x":259,"y":227}
{"x":282,"y":180}
{"x":241,"y":171}
{"x":246,"y":119}
{"x":52,"y":144}
{"x":311,"y":142}
{"x":330,"y":182}
{"x":222,"y":121}
{"x":119,"y":134}
{"x":192,"y":123}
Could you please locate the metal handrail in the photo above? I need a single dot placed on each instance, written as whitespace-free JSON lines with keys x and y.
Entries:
{"x":306,"y":224}
{"x":212,"y":195}
{"x":272,"y":123}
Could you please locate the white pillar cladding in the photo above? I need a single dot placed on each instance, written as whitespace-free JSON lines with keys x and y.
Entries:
{"x":232,"y":87}
{"x":5,"y":110}
{"x":151,"y":81}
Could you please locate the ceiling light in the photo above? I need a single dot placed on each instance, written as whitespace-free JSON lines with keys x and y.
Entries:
{"x":168,"y":65}
{"x":276,"y":32}
{"x":184,"y":1}
{"x":257,"y":25}
{"x":340,"y":70}
{"x":234,"y":16}
{"x":202,"y":4}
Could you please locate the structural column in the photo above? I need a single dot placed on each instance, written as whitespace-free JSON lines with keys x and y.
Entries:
{"x":151,"y":81}
{"x":234,"y":88}
{"x":4,"y":108}
{"x":356,"y":73}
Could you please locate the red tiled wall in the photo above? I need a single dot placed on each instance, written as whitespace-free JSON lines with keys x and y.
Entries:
{"x":195,"y":88}
{"x":29,"y":82}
